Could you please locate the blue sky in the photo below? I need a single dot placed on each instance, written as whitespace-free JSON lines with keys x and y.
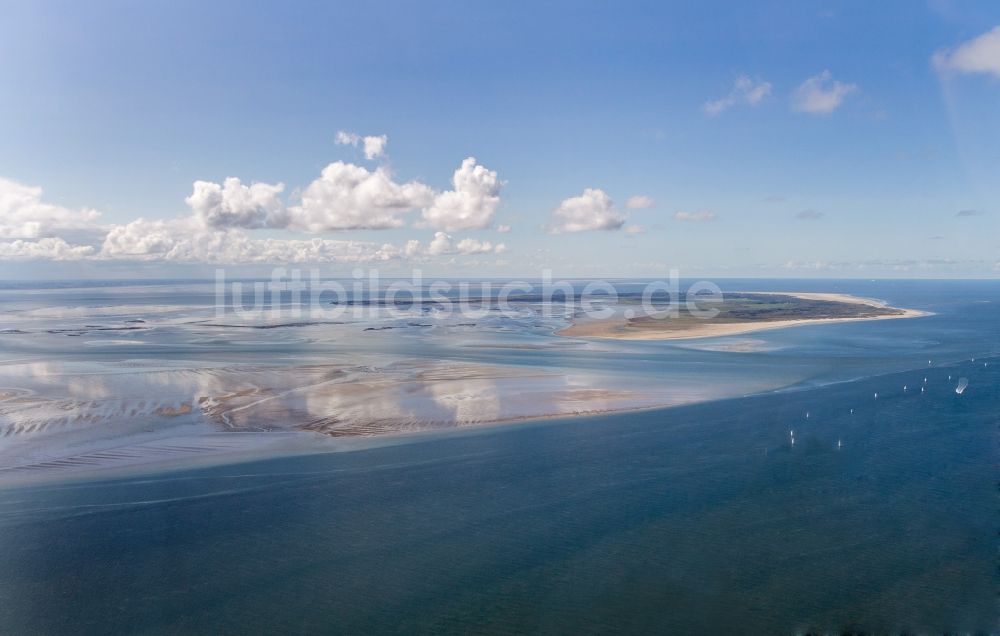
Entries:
{"x":888,"y":168}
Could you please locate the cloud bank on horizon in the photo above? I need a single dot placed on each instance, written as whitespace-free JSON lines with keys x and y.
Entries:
{"x":344,"y":197}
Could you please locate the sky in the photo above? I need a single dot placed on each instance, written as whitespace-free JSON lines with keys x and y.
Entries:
{"x":594,"y":139}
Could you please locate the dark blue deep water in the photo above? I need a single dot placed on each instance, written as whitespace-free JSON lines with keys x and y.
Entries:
{"x":697,"y":519}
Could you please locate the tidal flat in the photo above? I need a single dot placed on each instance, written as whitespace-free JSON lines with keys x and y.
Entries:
{"x":122,"y":377}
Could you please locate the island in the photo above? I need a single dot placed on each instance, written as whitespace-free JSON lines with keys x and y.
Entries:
{"x":739,"y":313}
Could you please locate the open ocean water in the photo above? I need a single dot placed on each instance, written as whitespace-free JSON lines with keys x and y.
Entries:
{"x":695,"y":519}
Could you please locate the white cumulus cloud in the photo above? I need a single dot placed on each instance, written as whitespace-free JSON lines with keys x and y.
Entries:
{"x":224,"y":215}
{"x":821,"y":94}
{"x":233,"y":204}
{"x":745,"y":91}
{"x":372,"y":145}
{"x":145,"y":239}
{"x":978,"y":55}
{"x":592,"y":210}
{"x":49,"y":248}
{"x":184,"y":240}
{"x":345,"y":138}
{"x":475,"y":246}
{"x":471,"y":205}
{"x":349,"y":197}
{"x":345,"y":196}
{"x":24,"y":215}
{"x":443,"y":243}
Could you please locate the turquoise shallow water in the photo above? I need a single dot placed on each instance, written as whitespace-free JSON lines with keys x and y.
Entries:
{"x":697,"y":519}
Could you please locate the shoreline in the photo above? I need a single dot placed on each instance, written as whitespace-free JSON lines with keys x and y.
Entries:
{"x":612,"y":328}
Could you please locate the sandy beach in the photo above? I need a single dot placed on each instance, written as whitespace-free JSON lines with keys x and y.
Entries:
{"x":618,"y":328}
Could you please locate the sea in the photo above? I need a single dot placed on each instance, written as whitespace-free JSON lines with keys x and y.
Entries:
{"x":805,"y":490}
